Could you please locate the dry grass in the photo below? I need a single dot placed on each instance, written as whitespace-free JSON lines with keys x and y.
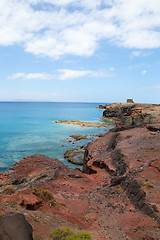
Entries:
{"x":9,"y":190}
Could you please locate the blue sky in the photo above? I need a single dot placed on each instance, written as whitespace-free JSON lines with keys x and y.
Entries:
{"x":80,"y":50}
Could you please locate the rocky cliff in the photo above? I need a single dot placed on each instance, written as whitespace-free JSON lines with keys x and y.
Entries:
{"x":128,"y":157}
{"x":132,"y":114}
{"x":115,"y":197}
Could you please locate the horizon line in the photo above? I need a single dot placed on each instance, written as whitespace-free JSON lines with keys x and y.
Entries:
{"x":4,"y":101}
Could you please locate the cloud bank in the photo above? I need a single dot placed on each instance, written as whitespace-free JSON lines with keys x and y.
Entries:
{"x":62,"y":74}
{"x":51,"y":28}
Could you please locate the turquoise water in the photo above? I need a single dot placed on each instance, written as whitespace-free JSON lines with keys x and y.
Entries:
{"x":28,"y":128}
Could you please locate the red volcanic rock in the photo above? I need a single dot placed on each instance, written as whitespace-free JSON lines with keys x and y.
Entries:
{"x":116,"y":197}
{"x":30,"y":201}
{"x":135,"y":155}
{"x":69,"y":189}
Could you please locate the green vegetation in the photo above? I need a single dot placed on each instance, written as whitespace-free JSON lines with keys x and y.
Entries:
{"x":35,"y":238}
{"x":45,"y":195}
{"x":60,"y":233}
{"x":147,"y":184}
{"x":66,"y":233}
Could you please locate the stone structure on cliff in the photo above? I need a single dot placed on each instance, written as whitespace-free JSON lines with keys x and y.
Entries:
{"x":130,"y":100}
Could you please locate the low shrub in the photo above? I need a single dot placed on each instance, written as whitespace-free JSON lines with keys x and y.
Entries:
{"x":81,"y":235}
{"x":35,"y":238}
{"x":66,"y":233}
{"x":9,"y":190}
{"x":147,"y":185}
{"x":60,"y":233}
{"x":45,"y":195}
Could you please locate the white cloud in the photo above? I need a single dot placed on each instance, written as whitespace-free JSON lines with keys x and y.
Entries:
{"x":32,"y":76}
{"x":62,"y":74}
{"x":39,"y":76}
{"x":144,"y":72}
{"x":136,"y":54}
{"x":140,"y":54}
{"x":16,"y":75}
{"x":112,"y":69}
{"x":65,"y":74}
{"x":141,"y":65}
{"x":77,"y":26}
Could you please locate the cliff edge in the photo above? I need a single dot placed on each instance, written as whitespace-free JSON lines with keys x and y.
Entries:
{"x":115,"y":197}
{"x":132,"y":114}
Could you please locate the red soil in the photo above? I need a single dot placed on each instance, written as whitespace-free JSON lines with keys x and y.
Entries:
{"x":96,"y":202}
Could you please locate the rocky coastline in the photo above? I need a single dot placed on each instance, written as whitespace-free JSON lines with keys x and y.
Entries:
{"x":132,"y":114}
{"x":116,"y":196}
{"x":84,"y":123}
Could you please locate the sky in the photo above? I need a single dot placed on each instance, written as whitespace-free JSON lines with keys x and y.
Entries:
{"x":80,"y":50}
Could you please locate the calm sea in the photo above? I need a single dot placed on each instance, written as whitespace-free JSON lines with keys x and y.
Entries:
{"x":28,"y":128}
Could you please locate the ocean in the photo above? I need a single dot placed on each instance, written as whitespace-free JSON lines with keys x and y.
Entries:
{"x":27,"y":128}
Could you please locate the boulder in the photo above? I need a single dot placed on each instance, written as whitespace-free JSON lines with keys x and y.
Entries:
{"x":14,"y":226}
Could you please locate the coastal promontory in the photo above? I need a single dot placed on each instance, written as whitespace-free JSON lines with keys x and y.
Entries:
{"x":116,"y":196}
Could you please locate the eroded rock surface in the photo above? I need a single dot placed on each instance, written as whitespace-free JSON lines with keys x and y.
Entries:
{"x":116,"y":197}
{"x":133,"y":114}
{"x":131,"y":159}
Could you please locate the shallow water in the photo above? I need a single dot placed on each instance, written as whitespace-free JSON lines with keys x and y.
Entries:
{"x":28,"y":128}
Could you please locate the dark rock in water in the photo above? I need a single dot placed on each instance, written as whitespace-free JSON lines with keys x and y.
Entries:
{"x":14,"y":226}
{"x":75,"y":156}
{"x":78,"y":137}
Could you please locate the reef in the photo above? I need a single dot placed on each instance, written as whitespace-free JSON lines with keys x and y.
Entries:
{"x":83,"y":123}
{"x":75,"y":156}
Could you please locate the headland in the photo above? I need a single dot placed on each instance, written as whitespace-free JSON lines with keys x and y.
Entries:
{"x":116,"y":196}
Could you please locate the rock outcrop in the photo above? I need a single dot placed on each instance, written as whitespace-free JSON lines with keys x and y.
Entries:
{"x":132,"y":114}
{"x":115,"y":197}
{"x":14,"y":226}
{"x":75,"y":156}
{"x":131,"y":160}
